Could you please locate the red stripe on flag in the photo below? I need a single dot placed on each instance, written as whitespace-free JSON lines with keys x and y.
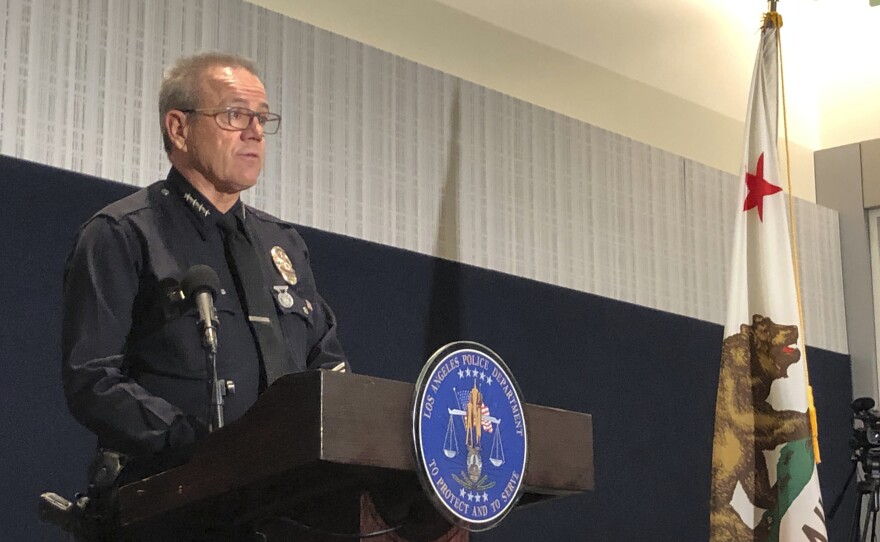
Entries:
{"x":487,"y":425}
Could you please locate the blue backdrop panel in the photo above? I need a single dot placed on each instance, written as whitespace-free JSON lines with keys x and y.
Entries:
{"x":42,"y":448}
{"x":647,"y":377}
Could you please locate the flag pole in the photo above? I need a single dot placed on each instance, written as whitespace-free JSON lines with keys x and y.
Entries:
{"x":749,"y":435}
{"x":774,"y":19}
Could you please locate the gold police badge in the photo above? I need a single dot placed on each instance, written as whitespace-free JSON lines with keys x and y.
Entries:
{"x":283,"y":264}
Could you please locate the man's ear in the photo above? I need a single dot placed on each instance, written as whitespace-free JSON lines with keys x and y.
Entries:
{"x":177,"y":127}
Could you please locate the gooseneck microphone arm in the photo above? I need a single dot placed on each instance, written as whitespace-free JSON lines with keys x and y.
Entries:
{"x":200,"y":284}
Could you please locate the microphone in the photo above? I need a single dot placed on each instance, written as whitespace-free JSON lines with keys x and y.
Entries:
{"x":201,"y":284}
{"x":862,"y":404}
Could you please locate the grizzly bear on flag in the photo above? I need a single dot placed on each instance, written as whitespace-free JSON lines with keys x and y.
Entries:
{"x":746,"y":423}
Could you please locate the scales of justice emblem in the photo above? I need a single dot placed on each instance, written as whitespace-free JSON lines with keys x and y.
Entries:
{"x":475,"y":417}
{"x":470,"y":435}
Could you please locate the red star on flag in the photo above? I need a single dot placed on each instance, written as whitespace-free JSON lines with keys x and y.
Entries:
{"x":758,"y":188}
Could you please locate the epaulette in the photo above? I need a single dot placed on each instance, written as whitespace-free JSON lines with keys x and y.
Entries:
{"x":140,"y":200}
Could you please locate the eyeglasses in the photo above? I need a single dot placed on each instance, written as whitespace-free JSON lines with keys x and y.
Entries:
{"x":236,"y":119}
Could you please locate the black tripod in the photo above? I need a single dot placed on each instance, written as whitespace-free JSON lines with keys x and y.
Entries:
{"x":868,"y":486}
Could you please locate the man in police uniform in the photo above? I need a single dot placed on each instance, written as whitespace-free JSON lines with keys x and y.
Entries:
{"x":133,"y":367}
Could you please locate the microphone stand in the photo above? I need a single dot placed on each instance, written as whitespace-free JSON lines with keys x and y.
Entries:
{"x":217,"y":391}
{"x":218,"y":387}
{"x":201,"y":284}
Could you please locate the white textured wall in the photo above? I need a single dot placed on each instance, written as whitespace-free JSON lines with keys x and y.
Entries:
{"x":371,"y":144}
{"x":432,"y":33}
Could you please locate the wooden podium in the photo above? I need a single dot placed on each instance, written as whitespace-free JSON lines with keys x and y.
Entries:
{"x":334,"y":451}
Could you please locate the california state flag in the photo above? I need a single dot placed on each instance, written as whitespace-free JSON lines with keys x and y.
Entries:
{"x":764,"y":481}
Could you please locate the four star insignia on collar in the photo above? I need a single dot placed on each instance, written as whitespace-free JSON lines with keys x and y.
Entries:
{"x":196,"y":204}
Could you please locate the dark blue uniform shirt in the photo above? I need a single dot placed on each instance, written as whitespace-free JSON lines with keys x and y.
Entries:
{"x":133,"y":367}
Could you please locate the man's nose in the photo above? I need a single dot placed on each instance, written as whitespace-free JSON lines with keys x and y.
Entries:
{"x":254,"y":129}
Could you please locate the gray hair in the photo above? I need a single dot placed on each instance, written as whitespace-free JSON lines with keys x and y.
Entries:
{"x":181,"y":86}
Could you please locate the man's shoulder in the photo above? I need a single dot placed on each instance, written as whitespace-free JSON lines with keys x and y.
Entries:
{"x":119,"y":220}
{"x":276,"y":230}
{"x":138,"y":202}
{"x":267,"y":220}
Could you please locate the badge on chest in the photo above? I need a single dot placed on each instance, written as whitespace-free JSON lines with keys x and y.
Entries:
{"x":283,"y":265}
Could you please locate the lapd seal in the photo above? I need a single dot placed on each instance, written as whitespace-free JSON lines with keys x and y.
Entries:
{"x":469,"y":434}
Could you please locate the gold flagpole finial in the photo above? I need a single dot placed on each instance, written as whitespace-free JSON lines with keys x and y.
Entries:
{"x":772,"y":19}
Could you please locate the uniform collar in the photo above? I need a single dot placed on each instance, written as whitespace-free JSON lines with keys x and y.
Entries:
{"x":201,"y":210}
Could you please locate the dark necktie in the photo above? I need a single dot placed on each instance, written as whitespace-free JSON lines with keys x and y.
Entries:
{"x":255,"y":298}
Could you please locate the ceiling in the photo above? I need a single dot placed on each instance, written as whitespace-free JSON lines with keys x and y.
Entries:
{"x":703,"y":51}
